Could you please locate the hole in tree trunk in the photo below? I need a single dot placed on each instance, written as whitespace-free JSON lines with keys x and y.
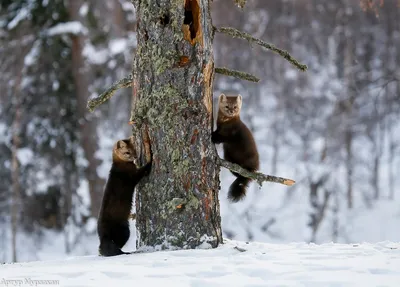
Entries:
{"x":191,"y":22}
{"x":164,"y":19}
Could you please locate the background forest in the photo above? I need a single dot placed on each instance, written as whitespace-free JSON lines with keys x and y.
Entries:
{"x":335,"y":129}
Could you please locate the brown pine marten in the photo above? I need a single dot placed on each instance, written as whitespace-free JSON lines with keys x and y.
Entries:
{"x":113,"y":225}
{"x":238,"y":143}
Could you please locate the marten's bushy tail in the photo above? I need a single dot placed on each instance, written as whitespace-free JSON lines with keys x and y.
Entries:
{"x":237,"y":190}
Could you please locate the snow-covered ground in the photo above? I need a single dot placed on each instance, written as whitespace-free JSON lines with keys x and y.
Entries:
{"x":234,"y":263}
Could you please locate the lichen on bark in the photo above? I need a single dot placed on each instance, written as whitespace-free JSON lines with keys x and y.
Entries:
{"x":177,"y":206}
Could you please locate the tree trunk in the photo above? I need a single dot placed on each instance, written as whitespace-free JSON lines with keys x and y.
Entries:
{"x":348,"y":110}
{"x":377,"y":160}
{"x":87,"y":123}
{"x":16,"y":142}
{"x":15,"y":169}
{"x":335,"y":218}
{"x":117,"y":28}
{"x":16,"y":198}
{"x":318,"y":207}
{"x":177,"y":206}
{"x":67,"y":201}
{"x":349,"y":167}
{"x":392,"y":154}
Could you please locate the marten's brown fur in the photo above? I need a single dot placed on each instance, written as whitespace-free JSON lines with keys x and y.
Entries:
{"x":113,"y":225}
{"x":238,"y":143}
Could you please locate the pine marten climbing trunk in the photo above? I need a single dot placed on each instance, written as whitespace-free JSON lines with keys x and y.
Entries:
{"x":177,"y":206}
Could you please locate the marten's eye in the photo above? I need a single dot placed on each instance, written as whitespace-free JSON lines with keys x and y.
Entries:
{"x":127,"y":153}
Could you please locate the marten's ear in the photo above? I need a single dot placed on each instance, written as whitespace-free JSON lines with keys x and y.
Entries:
{"x":121,"y":144}
{"x":222,"y":98}
{"x":239,"y":100}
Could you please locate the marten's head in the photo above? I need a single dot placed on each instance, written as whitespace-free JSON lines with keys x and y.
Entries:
{"x":230,"y":106}
{"x":124,"y":151}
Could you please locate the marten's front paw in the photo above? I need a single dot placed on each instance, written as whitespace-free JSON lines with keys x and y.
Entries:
{"x":215,"y":138}
{"x":147,"y":169}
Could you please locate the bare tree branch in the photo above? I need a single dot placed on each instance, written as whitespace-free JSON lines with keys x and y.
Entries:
{"x":257,"y":176}
{"x":237,"y":74}
{"x":243,"y":35}
{"x":105,"y":96}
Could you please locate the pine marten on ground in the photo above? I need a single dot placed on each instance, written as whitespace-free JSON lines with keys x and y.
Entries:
{"x":238,"y":143}
{"x":113,"y":225}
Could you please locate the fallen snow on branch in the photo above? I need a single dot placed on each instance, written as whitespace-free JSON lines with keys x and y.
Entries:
{"x":73,"y":27}
{"x":21,"y":15}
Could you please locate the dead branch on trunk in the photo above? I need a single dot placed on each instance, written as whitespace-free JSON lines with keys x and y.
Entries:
{"x":257,"y":176}
{"x":105,"y":96}
{"x":243,"y":35}
{"x":237,"y":74}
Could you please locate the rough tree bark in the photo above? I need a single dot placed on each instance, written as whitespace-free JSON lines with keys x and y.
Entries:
{"x":177,"y":206}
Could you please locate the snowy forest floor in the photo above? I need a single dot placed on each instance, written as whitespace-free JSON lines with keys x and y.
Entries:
{"x":234,"y":263}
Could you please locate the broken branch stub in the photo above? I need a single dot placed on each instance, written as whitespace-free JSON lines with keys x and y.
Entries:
{"x":107,"y":94}
{"x":237,"y":74}
{"x":257,"y":176}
